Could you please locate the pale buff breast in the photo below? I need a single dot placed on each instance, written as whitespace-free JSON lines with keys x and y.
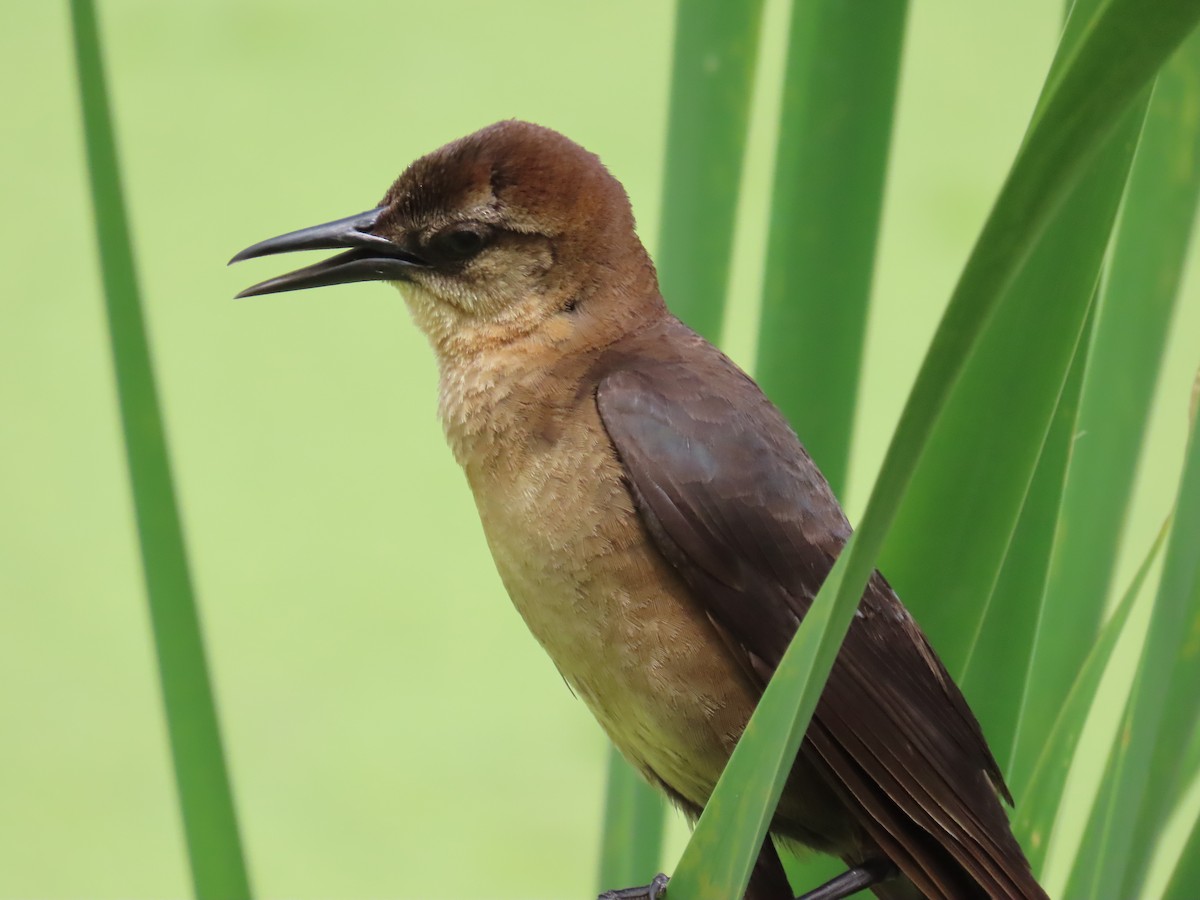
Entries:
{"x":608,"y":609}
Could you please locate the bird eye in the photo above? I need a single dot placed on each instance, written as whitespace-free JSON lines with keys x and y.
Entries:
{"x":461,"y":242}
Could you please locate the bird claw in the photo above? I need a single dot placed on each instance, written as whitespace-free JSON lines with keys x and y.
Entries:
{"x":655,"y":890}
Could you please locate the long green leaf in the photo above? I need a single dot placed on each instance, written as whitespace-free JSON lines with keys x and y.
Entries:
{"x":1173,"y":765}
{"x":972,"y":481}
{"x":716,"y":45}
{"x":1185,"y":880}
{"x":206,"y":802}
{"x":1038,"y":810}
{"x":1106,"y":858}
{"x":1110,"y":66}
{"x":1135,"y":314}
{"x":1005,"y":639}
{"x":631,"y":848}
{"x":830,"y":161}
{"x":1175,"y":151}
{"x":717,"y":861}
{"x":836,"y":121}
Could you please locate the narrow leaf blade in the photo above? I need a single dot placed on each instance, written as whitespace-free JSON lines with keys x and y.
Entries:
{"x":205,"y":797}
{"x":1136,"y":310}
{"x":972,"y":481}
{"x":1185,"y":880}
{"x":830,"y":162}
{"x":1037,"y":811}
{"x":1004,"y":644}
{"x":633,"y":825}
{"x":716,"y":45}
{"x":1082,"y":107}
{"x":1106,"y":857}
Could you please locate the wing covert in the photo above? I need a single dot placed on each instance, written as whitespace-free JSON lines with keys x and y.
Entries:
{"x":733,"y":501}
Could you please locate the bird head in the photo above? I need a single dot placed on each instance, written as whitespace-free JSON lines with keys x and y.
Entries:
{"x":509,"y":230}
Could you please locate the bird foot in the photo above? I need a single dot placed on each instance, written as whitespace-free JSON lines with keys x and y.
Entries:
{"x":655,"y":890}
{"x":851,"y":882}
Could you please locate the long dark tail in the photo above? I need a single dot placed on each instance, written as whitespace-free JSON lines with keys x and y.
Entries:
{"x":944,"y":857}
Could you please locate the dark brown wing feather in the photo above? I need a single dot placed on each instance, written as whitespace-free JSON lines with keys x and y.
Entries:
{"x":733,"y":501}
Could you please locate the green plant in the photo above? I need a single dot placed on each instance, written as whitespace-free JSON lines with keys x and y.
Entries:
{"x":205,"y":798}
{"x":990,"y":494}
{"x":1056,"y":326}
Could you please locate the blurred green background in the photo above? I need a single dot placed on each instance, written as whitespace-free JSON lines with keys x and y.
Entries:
{"x":391,"y":728}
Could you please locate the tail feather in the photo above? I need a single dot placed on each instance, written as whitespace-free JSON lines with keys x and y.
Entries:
{"x":959,"y":863}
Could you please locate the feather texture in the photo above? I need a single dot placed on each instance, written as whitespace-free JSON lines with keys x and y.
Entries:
{"x":732,"y":500}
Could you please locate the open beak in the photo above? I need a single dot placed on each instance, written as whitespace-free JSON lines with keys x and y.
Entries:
{"x":370,"y":257}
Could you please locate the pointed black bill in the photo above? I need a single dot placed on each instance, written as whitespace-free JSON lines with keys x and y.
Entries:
{"x":370,"y":257}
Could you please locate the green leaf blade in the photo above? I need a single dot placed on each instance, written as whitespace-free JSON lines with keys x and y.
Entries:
{"x":831,"y":158}
{"x":716,"y":45}
{"x":1005,"y":639}
{"x":1185,"y":880}
{"x":1082,"y":108}
{"x":718,"y":859}
{"x":205,"y":797}
{"x":1107,"y":855}
{"x":631,"y":847}
{"x":1135,"y":314}
{"x":1036,"y":813}
{"x":972,"y":481}
{"x":975,"y":478}
{"x":1171,"y":198}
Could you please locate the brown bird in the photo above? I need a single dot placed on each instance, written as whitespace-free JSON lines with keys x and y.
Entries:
{"x":656,"y":521}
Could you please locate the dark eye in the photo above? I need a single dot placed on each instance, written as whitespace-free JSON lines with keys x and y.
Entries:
{"x":461,"y":242}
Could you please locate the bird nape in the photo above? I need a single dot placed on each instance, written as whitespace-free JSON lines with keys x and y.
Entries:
{"x":657,"y":523}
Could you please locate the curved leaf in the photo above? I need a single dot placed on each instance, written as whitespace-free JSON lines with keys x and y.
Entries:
{"x":205,"y":797}
{"x":1147,"y":733}
{"x":1036,"y":813}
{"x":1121,"y":49}
{"x":1135,"y":314}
